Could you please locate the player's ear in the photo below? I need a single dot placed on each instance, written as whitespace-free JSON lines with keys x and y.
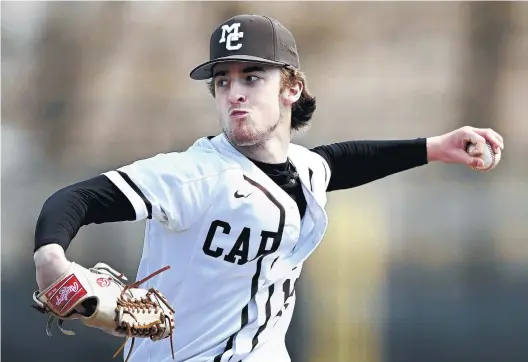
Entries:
{"x":292,"y":93}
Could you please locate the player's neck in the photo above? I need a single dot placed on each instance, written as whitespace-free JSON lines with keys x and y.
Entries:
{"x":271,"y":151}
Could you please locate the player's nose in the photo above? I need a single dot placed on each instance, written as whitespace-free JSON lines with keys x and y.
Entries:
{"x":236,"y":93}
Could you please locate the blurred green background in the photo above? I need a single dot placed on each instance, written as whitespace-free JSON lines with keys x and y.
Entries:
{"x":427,"y":265}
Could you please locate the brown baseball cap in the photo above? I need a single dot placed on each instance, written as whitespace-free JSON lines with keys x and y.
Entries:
{"x":249,"y":38}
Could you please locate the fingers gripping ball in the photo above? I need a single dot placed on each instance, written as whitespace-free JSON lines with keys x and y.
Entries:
{"x":490,"y":158}
{"x":99,"y":298}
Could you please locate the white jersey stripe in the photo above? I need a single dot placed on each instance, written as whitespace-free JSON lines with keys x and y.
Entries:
{"x":254,"y":284}
{"x":137,"y":200}
{"x":271,"y":290}
{"x":245,"y":313}
{"x":278,"y":298}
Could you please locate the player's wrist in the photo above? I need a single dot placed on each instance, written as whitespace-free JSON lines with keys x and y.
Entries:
{"x":433,"y":146}
{"x":49,"y":254}
{"x":47,"y":274}
{"x":50,"y":263}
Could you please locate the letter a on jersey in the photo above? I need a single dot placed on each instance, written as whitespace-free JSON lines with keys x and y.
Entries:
{"x":230,"y":35}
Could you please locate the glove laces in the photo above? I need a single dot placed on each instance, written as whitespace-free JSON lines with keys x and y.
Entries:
{"x":130,"y":305}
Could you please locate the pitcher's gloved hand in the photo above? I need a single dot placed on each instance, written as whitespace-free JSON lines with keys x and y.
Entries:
{"x":99,"y":298}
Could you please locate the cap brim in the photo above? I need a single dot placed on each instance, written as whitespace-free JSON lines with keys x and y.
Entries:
{"x":205,"y":70}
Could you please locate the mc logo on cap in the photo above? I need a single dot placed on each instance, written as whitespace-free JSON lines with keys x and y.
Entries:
{"x":233,"y":35}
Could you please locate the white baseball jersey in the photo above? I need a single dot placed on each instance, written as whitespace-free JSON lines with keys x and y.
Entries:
{"x":235,"y":243}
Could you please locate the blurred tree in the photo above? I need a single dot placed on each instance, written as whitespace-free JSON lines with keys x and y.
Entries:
{"x":60,"y":63}
{"x":56,"y":75}
{"x":488,"y":28}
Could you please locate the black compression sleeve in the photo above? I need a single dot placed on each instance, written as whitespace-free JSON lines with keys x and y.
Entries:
{"x":96,"y":200}
{"x":355,"y":163}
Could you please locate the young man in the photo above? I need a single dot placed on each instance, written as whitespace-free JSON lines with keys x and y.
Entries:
{"x":236,"y":215}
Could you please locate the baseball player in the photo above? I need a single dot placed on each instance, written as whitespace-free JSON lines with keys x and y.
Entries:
{"x":230,"y":221}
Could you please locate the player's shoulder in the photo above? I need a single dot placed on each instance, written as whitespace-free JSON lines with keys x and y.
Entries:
{"x":198,"y":162}
{"x":313,"y":162}
{"x":304,"y":153}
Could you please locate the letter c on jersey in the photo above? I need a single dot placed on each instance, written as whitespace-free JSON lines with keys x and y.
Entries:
{"x":240,"y":249}
{"x":210,"y":236}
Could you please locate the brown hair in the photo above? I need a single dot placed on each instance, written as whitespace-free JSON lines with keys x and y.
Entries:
{"x":303,"y":109}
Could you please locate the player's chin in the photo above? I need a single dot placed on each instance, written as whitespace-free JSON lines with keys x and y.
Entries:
{"x":244,"y":137}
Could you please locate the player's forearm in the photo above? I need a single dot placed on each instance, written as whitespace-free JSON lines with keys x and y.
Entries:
{"x":92,"y":201}
{"x":355,"y":163}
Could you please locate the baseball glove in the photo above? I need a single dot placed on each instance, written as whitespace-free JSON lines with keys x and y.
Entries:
{"x":99,"y":298}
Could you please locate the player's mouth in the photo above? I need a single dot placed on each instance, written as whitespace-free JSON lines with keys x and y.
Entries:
{"x":238,"y":114}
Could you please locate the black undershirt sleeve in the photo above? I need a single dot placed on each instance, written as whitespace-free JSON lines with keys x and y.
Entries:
{"x":356,"y":163}
{"x":94,"y":201}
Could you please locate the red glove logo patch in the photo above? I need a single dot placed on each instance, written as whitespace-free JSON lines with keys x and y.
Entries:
{"x":65,"y":294}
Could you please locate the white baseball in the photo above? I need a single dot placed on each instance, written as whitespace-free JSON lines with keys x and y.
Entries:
{"x":491,"y":159}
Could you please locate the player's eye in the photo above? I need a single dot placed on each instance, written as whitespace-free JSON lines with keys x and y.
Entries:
{"x":221,"y":82}
{"x":252,"y":78}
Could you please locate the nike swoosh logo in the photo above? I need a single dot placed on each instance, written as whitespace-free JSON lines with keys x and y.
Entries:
{"x":238,"y":196}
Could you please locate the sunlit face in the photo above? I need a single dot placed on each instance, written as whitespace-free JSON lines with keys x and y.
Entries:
{"x":248,"y":101}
